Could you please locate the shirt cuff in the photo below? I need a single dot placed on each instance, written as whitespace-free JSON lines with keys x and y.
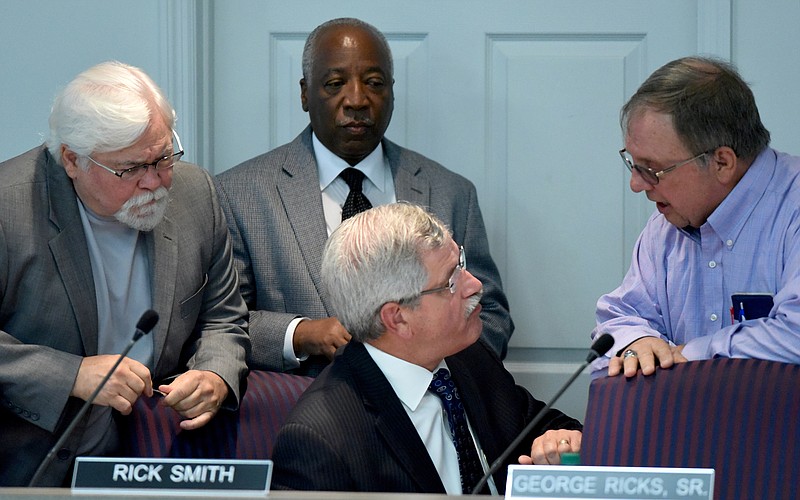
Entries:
{"x":290,"y":358}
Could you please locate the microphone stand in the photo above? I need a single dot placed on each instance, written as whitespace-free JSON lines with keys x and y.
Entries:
{"x":71,"y":427}
{"x":600,"y":347}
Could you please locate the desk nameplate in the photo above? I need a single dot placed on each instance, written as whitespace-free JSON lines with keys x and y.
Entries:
{"x":581,"y":482}
{"x":159,"y":476}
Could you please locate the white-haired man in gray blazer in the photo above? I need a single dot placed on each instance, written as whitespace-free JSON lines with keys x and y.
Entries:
{"x":98,"y":226}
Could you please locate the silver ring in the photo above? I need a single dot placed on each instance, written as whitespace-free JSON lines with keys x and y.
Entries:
{"x":629,"y":353}
{"x":564,"y":441}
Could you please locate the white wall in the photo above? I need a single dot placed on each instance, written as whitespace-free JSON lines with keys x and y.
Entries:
{"x":46,"y":43}
{"x":765,"y":45}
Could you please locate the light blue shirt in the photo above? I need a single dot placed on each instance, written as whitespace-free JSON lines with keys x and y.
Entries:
{"x":679,"y":285}
{"x":378,"y":184}
{"x":121,"y":273}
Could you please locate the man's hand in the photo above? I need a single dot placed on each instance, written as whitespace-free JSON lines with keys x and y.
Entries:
{"x":197,"y":395}
{"x":644,"y":353}
{"x":319,"y":336}
{"x":130,"y":380}
{"x":547,"y":448}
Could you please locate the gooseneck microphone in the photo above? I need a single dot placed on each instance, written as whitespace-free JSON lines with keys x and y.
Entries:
{"x":146,"y":323}
{"x":599,"y":348}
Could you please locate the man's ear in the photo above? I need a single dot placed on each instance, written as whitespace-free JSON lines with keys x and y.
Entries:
{"x":394,"y":320}
{"x":725,"y":165}
{"x":303,"y":90}
{"x":69,"y":159}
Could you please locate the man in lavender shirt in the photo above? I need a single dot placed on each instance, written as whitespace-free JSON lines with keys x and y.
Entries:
{"x":727,"y":222}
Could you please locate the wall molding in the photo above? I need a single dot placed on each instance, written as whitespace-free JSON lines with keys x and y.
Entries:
{"x":714,"y":28}
{"x":186,"y":68}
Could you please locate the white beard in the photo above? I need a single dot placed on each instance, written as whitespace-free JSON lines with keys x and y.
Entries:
{"x":135,"y":214}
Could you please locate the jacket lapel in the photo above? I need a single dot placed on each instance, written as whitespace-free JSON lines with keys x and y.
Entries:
{"x":298,"y":189}
{"x":71,"y":253}
{"x":409,"y":183}
{"x":391,"y":420}
{"x":162,"y":253}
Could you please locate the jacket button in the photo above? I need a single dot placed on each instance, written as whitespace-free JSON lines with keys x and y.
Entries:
{"x":63,"y":454}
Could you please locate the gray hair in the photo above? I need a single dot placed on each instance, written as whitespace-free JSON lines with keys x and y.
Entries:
{"x":312,"y":47}
{"x":105,"y":108}
{"x":710,"y":105}
{"x":375,"y":258}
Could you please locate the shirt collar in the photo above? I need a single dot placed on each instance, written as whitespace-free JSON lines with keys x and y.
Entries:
{"x":731,"y":215}
{"x":330,"y":165}
{"x":408,"y":380}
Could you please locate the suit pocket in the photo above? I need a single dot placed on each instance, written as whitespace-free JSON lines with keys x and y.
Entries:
{"x":190,"y":306}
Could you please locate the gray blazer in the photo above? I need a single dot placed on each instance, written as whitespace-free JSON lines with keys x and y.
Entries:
{"x":274,"y":210}
{"x":48,"y":310}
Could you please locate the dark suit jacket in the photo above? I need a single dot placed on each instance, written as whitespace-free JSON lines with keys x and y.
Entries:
{"x":274,"y":210}
{"x":48,"y":309}
{"x":349,"y":431}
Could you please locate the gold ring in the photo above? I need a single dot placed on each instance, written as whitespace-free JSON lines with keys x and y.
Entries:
{"x":630,"y":353}
{"x":564,"y":441}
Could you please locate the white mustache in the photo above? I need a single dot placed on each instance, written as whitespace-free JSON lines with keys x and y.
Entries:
{"x":145,"y":198}
{"x":473,"y":302}
{"x":135,"y":214}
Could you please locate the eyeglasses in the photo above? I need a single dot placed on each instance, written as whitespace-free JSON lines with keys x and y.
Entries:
{"x":137,"y":172}
{"x":451,"y":283}
{"x":652,"y":176}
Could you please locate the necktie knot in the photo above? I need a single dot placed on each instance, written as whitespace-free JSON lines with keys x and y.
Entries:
{"x":353,"y":177}
{"x":356,"y":201}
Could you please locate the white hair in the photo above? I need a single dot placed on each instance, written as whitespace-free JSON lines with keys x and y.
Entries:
{"x":375,"y":258}
{"x":105,"y":108}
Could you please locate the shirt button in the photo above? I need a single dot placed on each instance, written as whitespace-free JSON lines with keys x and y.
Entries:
{"x":712,"y":264}
{"x":729,"y":243}
{"x":713,"y":317}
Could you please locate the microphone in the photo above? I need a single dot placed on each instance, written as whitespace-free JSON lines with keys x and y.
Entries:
{"x":146,"y":323}
{"x":599,"y":348}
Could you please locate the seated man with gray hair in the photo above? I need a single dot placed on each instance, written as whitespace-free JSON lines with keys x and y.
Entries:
{"x":373,"y":420}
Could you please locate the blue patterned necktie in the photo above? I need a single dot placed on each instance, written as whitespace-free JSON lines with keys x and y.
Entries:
{"x":469,"y":464}
{"x":356,"y":201}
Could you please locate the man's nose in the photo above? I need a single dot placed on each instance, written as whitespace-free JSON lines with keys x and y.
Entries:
{"x":355,"y":96}
{"x":471,"y":284}
{"x":152,"y":178}
{"x":638,"y":184}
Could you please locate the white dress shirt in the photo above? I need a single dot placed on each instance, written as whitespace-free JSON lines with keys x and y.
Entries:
{"x":410,"y":382}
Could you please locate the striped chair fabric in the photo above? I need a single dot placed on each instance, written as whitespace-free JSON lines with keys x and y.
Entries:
{"x":153,"y":431}
{"x":740,"y":417}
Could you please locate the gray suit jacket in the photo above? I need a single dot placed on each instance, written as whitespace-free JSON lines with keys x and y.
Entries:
{"x":48,"y":310}
{"x":274,"y":210}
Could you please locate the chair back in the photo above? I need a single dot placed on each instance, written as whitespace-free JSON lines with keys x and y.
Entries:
{"x":740,"y":417}
{"x":153,"y":430}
